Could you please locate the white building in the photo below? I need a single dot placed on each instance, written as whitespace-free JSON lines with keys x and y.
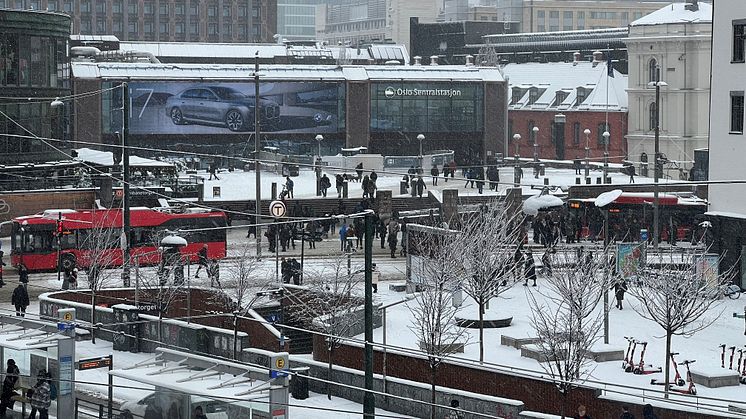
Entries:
{"x":675,"y":39}
{"x":727,"y":140}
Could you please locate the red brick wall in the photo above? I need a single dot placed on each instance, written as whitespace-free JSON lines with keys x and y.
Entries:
{"x":538,"y":396}
{"x":587,"y":119}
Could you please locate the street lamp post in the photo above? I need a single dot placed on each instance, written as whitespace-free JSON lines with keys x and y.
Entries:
{"x":257,"y":164}
{"x":517,"y":166}
{"x":317,"y":165}
{"x":606,"y":136}
{"x":587,"y":133}
{"x":656,"y":159}
{"x":420,"y":137}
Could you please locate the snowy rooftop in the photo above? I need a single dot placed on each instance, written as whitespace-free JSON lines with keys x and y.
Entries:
{"x":106,"y":158}
{"x":676,"y":13}
{"x":550,"y":78}
{"x":89,"y":70}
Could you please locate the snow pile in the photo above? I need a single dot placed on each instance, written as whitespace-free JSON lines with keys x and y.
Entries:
{"x":532,"y":205}
{"x":607,"y":198}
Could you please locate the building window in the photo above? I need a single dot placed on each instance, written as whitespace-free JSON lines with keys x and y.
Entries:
{"x":132,"y":8}
{"x":601,"y":128}
{"x":163,"y":8}
{"x":163,"y":28}
{"x":116,"y":6}
{"x":212,"y":29}
{"x":227,"y":29}
{"x":100,"y":7}
{"x":653,"y":70}
{"x":212,"y":10}
{"x":243,"y":11}
{"x":533,"y":95}
{"x":85,"y":7}
{"x":510,"y":128}
{"x":193,"y":9}
{"x":226,"y":11}
{"x":517,"y":95}
{"x":132,"y":27}
{"x":52,"y":6}
{"x":581,"y":20}
{"x":739,"y":41}
{"x":582,"y":94}
{"x":101,"y":26}
{"x":179,"y":9}
{"x":560,"y":97}
{"x":117,"y":26}
{"x":85,"y":26}
{"x":653,"y":117}
{"x":531,"y":134}
{"x":736,"y":112}
{"x":179,"y":28}
{"x":576,"y":133}
{"x":67,"y":6}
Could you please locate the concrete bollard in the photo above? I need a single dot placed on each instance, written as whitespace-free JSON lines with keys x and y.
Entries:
{"x":546,"y":181}
{"x":274,"y":190}
{"x":577,"y":180}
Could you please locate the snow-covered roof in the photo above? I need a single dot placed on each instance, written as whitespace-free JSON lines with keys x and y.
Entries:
{"x":550,"y":78}
{"x":187,"y":49}
{"x":676,"y":13}
{"x":144,"y":71}
{"x":106,"y":158}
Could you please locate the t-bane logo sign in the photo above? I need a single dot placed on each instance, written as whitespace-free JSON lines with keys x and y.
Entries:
{"x":391,"y":92}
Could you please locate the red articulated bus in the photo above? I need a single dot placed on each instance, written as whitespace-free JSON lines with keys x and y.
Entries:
{"x":96,"y":234}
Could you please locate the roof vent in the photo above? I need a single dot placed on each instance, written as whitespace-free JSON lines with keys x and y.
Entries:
{"x":417,"y":60}
{"x":469,"y":60}
{"x":692,"y":5}
{"x":597,"y":57}
{"x":433,"y":60}
{"x":576,"y":57}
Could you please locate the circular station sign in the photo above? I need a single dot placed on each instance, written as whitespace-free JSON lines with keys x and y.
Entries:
{"x":277,"y":209}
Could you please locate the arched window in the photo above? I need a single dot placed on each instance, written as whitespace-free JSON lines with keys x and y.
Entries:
{"x":653,"y":70}
{"x":653,"y":117}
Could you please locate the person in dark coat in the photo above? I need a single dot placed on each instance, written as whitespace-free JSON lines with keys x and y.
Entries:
{"x":493,"y":175}
{"x":359,"y":170}
{"x":647,"y":412}
{"x":620,"y":287}
{"x":373,"y":175}
{"x":626,"y":413}
{"x":339,"y":182}
{"x":23,"y":274}
{"x":420,"y":184}
{"x":582,"y":414}
{"x":9,"y":385}
{"x":434,"y":172}
{"x":382,"y":230}
{"x":324,"y":184}
{"x":20,"y":300}
{"x":2,"y":267}
{"x":202,"y":261}
{"x":530,"y":269}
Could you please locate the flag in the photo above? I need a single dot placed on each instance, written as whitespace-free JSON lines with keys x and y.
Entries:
{"x":609,"y":65}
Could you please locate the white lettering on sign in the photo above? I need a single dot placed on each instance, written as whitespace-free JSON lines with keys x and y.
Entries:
{"x":391,"y":92}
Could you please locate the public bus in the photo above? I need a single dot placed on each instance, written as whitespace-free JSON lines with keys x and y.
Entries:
{"x":633,"y":211}
{"x":88,"y":235}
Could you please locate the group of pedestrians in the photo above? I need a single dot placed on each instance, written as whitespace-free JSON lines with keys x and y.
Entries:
{"x":290,"y":269}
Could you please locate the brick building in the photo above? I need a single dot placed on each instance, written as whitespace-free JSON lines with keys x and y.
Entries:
{"x":563,"y":100}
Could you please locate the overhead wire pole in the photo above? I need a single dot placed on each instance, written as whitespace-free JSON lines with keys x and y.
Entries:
{"x":369,"y":400}
{"x":656,"y":200}
{"x":125,"y":187}
{"x":257,"y":164}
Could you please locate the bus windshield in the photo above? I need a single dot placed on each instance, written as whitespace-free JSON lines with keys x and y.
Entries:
{"x":33,"y":239}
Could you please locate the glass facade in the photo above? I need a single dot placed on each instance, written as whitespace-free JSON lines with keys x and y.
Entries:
{"x":296,"y":19}
{"x":427,"y":107}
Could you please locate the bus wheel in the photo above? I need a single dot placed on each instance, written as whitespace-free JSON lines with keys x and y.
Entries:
{"x":68,"y":262}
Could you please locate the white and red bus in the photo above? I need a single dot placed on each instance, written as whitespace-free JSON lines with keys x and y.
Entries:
{"x":85,"y":235}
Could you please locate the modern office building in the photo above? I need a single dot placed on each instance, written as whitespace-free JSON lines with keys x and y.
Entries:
{"x":34,"y":70}
{"x":384,"y":108}
{"x":164,"y":20}
{"x":675,"y":40}
{"x":727,"y":141}
{"x":354,"y":22}
{"x":296,"y":19}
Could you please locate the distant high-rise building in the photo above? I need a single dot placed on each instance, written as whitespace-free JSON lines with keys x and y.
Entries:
{"x":296,"y":19}
{"x":174,"y":20}
{"x":365,"y":21}
{"x":567,"y":15}
{"x":456,"y":10}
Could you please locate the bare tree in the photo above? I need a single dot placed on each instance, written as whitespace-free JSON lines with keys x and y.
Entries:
{"x":568,"y":320}
{"x":243,"y":280}
{"x":486,"y":247}
{"x":433,"y":314}
{"x":681,"y":296}
{"x":488,"y":57}
{"x":327,"y":303}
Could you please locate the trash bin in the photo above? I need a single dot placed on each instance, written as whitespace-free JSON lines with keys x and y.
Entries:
{"x":644,"y":235}
{"x":299,"y":383}
{"x":403,"y":187}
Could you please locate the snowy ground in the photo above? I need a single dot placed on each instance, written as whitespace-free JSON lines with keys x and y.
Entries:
{"x":239,"y":185}
{"x":702,"y":347}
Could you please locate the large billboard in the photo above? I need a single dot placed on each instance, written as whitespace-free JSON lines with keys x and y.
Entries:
{"x":194,"y":108}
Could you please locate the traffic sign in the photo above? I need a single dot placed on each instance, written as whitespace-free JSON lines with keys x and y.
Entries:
{"x":277,"y":209}
{"x":279,"y":365}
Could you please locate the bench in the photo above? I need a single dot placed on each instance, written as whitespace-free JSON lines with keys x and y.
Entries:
{"x":516,"y":343}
{"x":721,"y":378}
{"x":535,"y":352}
{"x":487,"y":324}
{"x":457,"y":347}
{"x":604,"y":355}
{"x":398,"y":287}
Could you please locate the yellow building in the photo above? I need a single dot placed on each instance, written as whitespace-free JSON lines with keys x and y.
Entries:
{"x":567,"y":15}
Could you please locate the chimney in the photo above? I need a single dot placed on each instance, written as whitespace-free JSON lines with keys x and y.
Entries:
{"x":576,"y":58}
{"x":433,"y":60}
{"x":692,"y":5}
{"x":597,"y":57}
{"x":417,"y":60}
{"x":469,"y":60}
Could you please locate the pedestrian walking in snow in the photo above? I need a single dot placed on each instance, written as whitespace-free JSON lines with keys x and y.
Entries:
{"x":325,"y":184}
{"x":620,"y":287}
{"x":41,"y":397}
{"x":421,"y":186}
{"x":213,"y":272}
{"x":289,"y":184}
{"x":393,"y":236}
{"x":202,"y":261}
{"x":382,"y":230}
{"x":9,"y":385}
{"x":455,"y":414}
{"x":359,"y":171}
{"x":434,"y":172}
{"x":213,"y":172}
{"x":530,"y":271}
{"x":20,"y":300}
{"x":339,"y":182}
{"x":647,"y":412}
{"x":546,"y":261}
{"x":23,"y":275}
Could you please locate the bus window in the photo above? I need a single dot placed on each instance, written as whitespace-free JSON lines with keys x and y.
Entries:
{"x":38,"y":241}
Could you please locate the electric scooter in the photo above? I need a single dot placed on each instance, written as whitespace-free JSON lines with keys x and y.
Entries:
{"x":627,"y":361}
{"x":692,"y":389}
{"x":732,"y":352}
{"x":722,"y":356}
{"x":640,"y":369}
{"x":677,"y":379}
{"x":630,"y":367}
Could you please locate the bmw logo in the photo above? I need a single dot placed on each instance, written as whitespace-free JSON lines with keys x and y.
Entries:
{"x":389,"y":92}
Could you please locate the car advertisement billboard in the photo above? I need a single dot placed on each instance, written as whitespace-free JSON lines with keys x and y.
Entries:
{"x":193,"y":108}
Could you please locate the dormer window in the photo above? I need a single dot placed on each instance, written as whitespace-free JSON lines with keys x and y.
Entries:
{"x":517,"y":95}
{"x":533,"y":95}
{"x":582,"y":95}
{"x":560,"y":97}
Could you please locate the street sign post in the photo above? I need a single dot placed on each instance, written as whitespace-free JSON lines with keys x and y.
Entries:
{"x":277,"y":209}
